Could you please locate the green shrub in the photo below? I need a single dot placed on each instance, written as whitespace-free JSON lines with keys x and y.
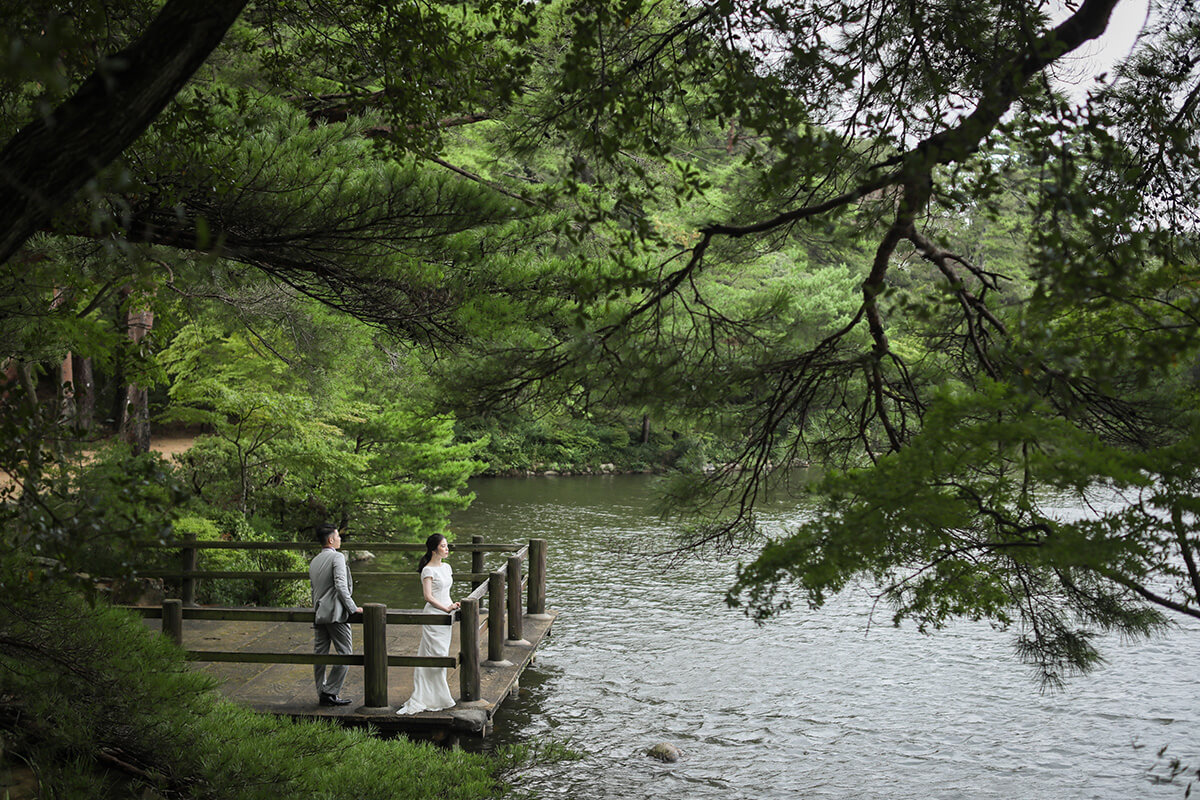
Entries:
{"x":232,"y":526}
{"x":569,"y":444}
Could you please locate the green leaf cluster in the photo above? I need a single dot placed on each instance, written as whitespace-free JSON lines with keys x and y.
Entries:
{"x":291,"y":454}
{"x":985,"y":515}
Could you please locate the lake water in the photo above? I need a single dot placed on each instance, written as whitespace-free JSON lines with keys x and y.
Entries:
{"x":813,"y":704}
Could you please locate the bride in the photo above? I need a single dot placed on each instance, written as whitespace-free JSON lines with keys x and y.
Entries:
{"x":430,"y":690}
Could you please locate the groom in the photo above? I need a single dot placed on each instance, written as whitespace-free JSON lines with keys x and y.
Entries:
{"x":333,"y":604}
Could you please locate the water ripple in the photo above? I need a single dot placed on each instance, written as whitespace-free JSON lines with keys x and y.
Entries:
{"x":814,"y":705}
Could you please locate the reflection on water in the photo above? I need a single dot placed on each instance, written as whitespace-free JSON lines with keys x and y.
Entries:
{"x":813,"y":705}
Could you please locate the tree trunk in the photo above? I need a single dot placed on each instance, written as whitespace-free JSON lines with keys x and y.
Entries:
{"x":135,"y":428}
{"x":135,"y":415}
{"x":66,"y":390}
{"x":55,"y":155}
{"x":645,"y":429}
{"x":85,"y":394}
{"x":28,"y":380}
{"x":64,"y":373}
{"x":244,"y":467}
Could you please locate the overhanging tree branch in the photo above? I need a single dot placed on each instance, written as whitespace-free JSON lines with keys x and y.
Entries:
{"x":955,"y":143}
{"x":53,"y":157}
{"x":1153,"y":597}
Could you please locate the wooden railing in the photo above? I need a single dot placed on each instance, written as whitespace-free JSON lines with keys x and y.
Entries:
{"x":501,"y":587}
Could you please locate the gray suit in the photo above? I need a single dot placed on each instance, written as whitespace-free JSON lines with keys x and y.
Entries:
{"x":333,"y":605}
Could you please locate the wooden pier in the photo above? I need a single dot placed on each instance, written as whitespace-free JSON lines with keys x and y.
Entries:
{"x":262,"y":658}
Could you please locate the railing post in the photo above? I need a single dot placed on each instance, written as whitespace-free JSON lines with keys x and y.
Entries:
{"x":468,"y":661}
{"x":496,"y":601}
{"x":172,"y":620}
{"x":188,"y":587}
{"x":537,"y":576}
{"x":476,"y":560}
{"x":515,"y":628}
{"x":375,"y":683}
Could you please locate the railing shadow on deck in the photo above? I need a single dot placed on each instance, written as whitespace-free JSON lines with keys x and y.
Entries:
{"x":502,"y":588}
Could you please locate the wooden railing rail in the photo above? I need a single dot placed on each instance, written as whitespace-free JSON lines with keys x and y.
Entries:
{"x":285,"y":615}
{"x":189,"y":548}
{"x":502,"y":587}
{"x":216,"y":544}
{"x":477,"y":593}
{"x":281,"y":575}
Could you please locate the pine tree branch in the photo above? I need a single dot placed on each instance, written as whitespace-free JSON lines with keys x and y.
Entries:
{"x":1153,"y":597}
{"x":955,"y":143}
{"x":53,"y":157}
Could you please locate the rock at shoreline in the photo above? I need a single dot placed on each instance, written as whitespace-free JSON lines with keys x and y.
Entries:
{"x":667,"y":753}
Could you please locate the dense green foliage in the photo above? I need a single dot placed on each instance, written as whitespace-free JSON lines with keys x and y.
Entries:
{"x":518,"y":445}
{"x":99,"y":706}
{"x":203,"y":281}
{"x":1017,"y":330}
{"x":738,"y":235}
{"x":71,"y":518}
{"x":289,"y":450}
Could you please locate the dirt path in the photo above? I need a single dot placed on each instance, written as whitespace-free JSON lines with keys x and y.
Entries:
{"x":171,"y":446}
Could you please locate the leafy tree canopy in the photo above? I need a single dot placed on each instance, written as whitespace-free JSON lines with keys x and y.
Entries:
{"x":874,"y":236}
{"x":955,"y":404}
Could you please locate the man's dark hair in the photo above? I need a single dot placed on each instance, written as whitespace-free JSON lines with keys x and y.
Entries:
{"x":324,"y":531}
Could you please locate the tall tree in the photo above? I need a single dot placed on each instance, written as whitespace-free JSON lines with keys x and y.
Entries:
{"x":952,"y":413}
{"x":247,"y":172}
{"x":852,"y":139}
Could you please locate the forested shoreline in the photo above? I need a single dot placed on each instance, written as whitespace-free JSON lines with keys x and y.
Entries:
{"x":365,"y":251}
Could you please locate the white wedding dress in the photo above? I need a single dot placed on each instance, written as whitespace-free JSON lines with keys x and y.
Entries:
{"x":430,"y":690}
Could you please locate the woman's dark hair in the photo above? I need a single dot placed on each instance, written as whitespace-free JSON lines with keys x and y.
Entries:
{"x":431,"y":544}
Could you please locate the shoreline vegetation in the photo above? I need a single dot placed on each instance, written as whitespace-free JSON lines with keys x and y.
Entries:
{"x":545,"y":454}
{"x":97,"y":705}
{"x":563,"y":447}
{"x":659,"y":456}
{"x":590,"y":470}
{"x":100,"y":706}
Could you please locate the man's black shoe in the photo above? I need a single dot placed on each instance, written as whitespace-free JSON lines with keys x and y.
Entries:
{"x":331,"y":700}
